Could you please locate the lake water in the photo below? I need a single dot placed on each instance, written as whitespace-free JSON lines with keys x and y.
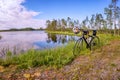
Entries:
{"x":20,"y":41}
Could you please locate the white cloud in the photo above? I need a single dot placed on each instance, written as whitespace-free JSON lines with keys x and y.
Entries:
{"x":15,"y":15}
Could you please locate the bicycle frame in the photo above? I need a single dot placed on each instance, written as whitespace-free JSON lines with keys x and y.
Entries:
{"x":88,"y":43}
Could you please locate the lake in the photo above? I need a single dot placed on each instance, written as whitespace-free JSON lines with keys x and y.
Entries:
{"x":20,"y":41}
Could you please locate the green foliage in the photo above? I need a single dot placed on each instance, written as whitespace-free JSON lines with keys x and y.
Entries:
{"x":61,"y":24}
{"x":22,"y":29}
{"x":96,"y":21}
{"x":9,"y":53}
{"x":8,"y":59}
{"x":56,"y":57}
{"x":53,"y":57}
{"x":27,"y":29}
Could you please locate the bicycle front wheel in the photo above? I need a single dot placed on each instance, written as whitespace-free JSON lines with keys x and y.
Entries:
{"x":95,"y":43}
{"x":78,"y":47}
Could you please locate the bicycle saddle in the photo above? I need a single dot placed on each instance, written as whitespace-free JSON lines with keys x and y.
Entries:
{"x":85,"y":32}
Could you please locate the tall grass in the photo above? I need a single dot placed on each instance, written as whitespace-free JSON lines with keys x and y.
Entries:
{"x":56,"y":57}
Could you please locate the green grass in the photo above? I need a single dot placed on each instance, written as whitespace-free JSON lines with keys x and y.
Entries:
{"x":56,"y":57}
{"x":64,"y":33}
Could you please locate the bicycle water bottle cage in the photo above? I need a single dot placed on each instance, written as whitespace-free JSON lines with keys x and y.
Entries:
{"x":94,"y":32}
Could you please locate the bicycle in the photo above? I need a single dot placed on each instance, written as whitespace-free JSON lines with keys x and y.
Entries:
{"x":91,"y":42}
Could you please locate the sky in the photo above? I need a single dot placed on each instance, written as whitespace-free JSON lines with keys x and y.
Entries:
{"x":34,"y":13}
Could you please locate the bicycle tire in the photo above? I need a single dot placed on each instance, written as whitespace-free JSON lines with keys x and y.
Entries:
{"x":78,"y":47}
{"x":95,"y":43}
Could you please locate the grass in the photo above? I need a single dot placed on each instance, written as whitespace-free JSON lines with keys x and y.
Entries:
{"x":56,"y":57}
{"x":64,"y":33}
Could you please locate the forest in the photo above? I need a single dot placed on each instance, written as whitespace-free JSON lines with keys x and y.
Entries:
{"x":107,"y":22}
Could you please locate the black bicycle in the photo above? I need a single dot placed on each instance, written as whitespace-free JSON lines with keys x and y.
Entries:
{"x":91,"y":42}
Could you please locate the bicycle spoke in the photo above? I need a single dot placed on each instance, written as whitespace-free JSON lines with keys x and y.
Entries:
{"x":78,"y":47}
{"x":95,"y":43}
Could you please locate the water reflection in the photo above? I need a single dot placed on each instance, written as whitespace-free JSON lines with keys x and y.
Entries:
{"x":23,"y":40}
{"x":0,"y":37}
{"x":54,"y":40}
{"x":57,"y":38}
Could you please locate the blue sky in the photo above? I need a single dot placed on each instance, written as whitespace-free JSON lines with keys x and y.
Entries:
{"x":76,"y":9}
{"x":34,"y":13}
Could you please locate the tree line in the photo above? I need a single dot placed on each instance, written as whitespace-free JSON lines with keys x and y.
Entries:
{"x":109,"y":22}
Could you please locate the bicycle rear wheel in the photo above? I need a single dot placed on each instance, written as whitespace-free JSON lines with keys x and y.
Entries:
{"x":78,"y":47}
{"x":95,"y":43}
